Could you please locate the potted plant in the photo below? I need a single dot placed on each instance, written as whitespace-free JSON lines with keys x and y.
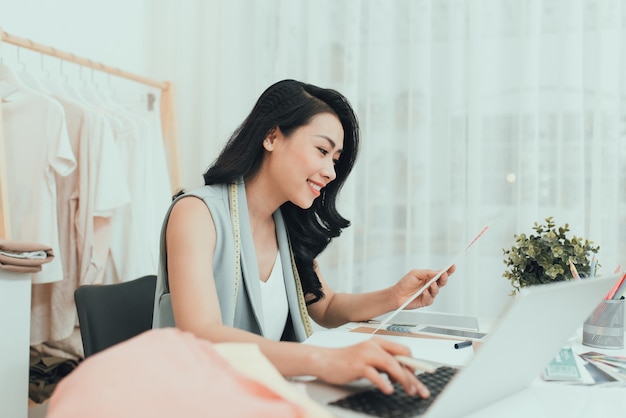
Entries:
{"x":545,"y":256}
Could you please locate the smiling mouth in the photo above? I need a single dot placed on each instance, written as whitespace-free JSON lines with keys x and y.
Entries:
{"x":314,"y":186}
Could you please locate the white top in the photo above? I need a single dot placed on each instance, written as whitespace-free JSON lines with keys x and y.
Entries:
{"x":85,"y":201}
{"x":274,"y":301}
{"x":38,"y":149}
{"x":136,"y":227}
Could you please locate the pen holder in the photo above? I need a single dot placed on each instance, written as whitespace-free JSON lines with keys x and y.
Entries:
{"x":604,"y":328}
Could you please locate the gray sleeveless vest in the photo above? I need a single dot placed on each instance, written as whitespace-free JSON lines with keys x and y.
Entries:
{"x":240,"y":297}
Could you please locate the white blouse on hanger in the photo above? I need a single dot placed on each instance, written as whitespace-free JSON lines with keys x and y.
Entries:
{"x":37,"y":149}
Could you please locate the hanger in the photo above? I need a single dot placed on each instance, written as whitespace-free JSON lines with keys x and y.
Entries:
{"x":28,"y":79}
{"x":52,"y":84}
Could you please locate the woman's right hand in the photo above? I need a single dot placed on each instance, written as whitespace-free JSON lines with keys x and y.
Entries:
{"x":369,"y":359}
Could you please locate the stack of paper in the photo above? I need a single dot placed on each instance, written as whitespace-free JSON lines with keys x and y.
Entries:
{"x":563,"y":367}
{"x":609,"y":369}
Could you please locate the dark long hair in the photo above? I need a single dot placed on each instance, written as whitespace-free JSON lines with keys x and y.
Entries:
{"x":290,"y":104}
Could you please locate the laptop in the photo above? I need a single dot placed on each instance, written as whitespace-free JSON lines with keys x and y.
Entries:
{"x":531,"y":330}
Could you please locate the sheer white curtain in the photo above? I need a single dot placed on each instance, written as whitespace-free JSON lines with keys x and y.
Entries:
{"x":472,"y":113}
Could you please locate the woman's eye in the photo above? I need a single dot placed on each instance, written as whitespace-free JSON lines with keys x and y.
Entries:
{"x":323,"y":151}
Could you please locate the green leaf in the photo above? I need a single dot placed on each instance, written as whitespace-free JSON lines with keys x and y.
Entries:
{"x":544,"y":257}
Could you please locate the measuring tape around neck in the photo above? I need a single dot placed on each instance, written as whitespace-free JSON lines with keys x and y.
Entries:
{"x":234,"y":217}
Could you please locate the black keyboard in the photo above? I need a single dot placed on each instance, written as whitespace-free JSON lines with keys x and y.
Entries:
{"x":399,"y":404}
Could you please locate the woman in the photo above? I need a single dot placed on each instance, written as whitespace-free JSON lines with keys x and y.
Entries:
{"x":238,"y":254}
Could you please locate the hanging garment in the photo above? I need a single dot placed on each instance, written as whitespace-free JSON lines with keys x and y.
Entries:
{"x":157,"y":180}
{"x":86,"y":201}
{"x":37,"y":149}
{"x":127,"y":257}
{"x":136,"y":227}
{"x":102,"y":235}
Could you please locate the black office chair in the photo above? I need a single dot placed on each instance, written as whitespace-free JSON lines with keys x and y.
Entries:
{"x":111,"y":313}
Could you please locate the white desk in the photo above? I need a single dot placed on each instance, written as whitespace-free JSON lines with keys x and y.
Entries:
{"x":553,"y":399}
{"x":559,"y":401}
{"x":15,"y":295}
{"x":541,"y":400}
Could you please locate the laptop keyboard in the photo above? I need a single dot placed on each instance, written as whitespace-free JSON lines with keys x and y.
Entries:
{"x":399,"y":404}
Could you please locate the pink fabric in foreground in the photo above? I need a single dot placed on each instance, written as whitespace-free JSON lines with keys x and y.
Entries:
{"x":163,"y":373}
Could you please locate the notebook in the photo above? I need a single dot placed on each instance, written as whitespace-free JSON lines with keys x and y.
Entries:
{"x":531,"y":330}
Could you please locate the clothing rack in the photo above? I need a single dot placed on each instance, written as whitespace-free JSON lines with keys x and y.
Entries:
{"x":168,"y":117}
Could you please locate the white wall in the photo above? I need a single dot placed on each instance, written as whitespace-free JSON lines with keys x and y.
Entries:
{"x":114,"y":32}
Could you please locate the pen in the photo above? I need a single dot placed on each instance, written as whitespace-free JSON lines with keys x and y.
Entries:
{"x":463,"y":344}
{"x":611,"y":292}
{"x":619,"y":293}
{"x":572,"y":268}
{"x":415,"y":363}
{"x":592,"y":268}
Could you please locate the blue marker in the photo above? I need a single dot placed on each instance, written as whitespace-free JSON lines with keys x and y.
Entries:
{"x":463,"y":344}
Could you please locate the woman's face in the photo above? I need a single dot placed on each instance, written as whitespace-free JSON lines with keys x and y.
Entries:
{"x":304,"y":163}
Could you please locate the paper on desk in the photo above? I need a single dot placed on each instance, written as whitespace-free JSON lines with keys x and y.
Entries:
{"x":436,"y":350}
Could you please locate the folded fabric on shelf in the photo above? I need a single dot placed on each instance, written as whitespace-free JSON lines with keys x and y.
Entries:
{"x":24,"y":257}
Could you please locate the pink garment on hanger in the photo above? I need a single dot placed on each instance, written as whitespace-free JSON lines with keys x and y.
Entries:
{"x":164,"y":373}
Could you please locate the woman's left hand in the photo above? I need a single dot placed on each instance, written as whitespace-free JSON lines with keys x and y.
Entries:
{"x":414,"y":280}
